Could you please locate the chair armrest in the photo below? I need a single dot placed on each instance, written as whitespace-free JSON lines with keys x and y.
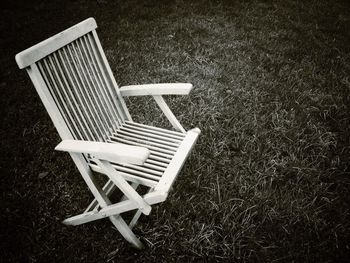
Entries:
{"x":156,"y":89}
{"x":113,"y":152}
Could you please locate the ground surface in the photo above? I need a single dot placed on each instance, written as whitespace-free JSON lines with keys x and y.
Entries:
{"x":269,"y":178}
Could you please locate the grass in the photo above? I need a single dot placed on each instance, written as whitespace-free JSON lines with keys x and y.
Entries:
{"x":269,"y":178}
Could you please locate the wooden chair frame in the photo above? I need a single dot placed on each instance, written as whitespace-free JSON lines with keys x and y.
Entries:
{"x":90,"y":146}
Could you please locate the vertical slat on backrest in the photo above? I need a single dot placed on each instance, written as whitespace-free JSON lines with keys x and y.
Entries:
{"x":48,"y":102}
{"x":79,"y":81}
{"x":84,"y":87}
{"x":121,"y":104}
{"x":76,"y":92}
{"x":99,"y":92}
{"x":107,"y":83}
{"x":76,"y":100}
{"x":71,"y":69}
{"x":80,"y":106}
{"x":56,"y":94}
{"x":109,"y":100}
{"x":92,"y":88}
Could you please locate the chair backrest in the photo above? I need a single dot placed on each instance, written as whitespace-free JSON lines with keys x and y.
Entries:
{"x":73,"y":78}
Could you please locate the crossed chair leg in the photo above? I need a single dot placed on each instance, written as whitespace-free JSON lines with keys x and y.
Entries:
{"x":102,"y":207}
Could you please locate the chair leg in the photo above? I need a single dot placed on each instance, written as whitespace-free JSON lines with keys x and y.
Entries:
{"x":126,"y":232}
{"x":138,"y":213}
{"x":135,"y":218}
{"x":133,"y":185}
{"x":123,"y":228}
{"x":108,"y":188}
{"x":104,"y":201}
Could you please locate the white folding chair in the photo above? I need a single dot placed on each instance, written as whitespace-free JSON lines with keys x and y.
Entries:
{"x":76,"y":85}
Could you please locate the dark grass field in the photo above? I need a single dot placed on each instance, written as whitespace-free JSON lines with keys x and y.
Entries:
{"x":269,"y":179}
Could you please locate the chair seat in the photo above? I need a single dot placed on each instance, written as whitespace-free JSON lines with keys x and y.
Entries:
{"x":162,"y":144}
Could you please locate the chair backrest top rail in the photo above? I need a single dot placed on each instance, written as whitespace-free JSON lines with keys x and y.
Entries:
{"x":50,"y":45}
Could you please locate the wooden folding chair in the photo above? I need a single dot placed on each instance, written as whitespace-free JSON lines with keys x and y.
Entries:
{"x":75,"y":83}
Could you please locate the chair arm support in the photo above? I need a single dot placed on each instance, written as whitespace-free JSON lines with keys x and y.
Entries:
{"x":168,"y":113}
{"x":113,"y":152}
{"x":156,"y":89}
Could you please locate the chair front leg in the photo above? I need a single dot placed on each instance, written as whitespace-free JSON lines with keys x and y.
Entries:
{"x":123,"y":185}
{"x":138,"y":213}
{"x":104,"y":202}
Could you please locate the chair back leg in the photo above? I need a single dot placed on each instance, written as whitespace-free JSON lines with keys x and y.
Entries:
{"x":125,"y":230}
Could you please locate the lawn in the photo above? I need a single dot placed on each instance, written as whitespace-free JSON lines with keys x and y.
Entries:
{"x":269,"y":178}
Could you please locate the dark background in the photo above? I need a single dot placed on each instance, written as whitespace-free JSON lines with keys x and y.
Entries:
{"x":269,"y":178}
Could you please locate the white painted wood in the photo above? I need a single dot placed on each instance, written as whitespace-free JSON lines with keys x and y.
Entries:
{"x":144,"y":173}
{"x":138,"y":213}
{"x":48,"y":102}
{"x":78,"y":113}
{"x":68,"y":117}
{"x":118,"y":208}
{"x":156,"y":89}
{"x":108,"y":188}
{"x":128,"y":177}
{"x":133,"y":185}
{"x":107,"y":84}
{"x":114,"y":152}
{"x":139,"y":170}
{"x":151,"y":139}
{"x":144,"y":140}
{"x":158,"y":164}
{"x":89,"y":87}
{"x":168,"y":113}
{"x":153,"y":149}
{"x":104,"y":202}
{"x":81,"y":101}
{"x":126,"y":232}
{"x":46,"y":47}
{"x":111,"y":113}
{"x":151,"y":166}
{"x":157,"y":130}
{"x":127,"y":190}
{"x":157,"y":159}
{"x":150,"y":135}
{"x":90,"y":180}
{"x":135,"y":219}
{"x":178,"y":161}
{"x":111,"y":77}
{"x":75,"y":82}
{"x":92,"y":115}
{"x":63,"y":131}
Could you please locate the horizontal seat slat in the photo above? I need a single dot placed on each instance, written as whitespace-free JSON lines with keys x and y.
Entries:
{"x":128,"y":177}
{"x":121,"y":168}
{"x":154,"y":167}
{"x":140,"y":168}
{"x":147,"y":137}
{"x":153,"y":156}
{"x":144,"y":168}
{"x":144,"y":140}
{"x":169,"y":137}
{"x":144,"y":132}
{"x":156,"y":129}
{"x":156,"y":150}
{"x":152,"y":161}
